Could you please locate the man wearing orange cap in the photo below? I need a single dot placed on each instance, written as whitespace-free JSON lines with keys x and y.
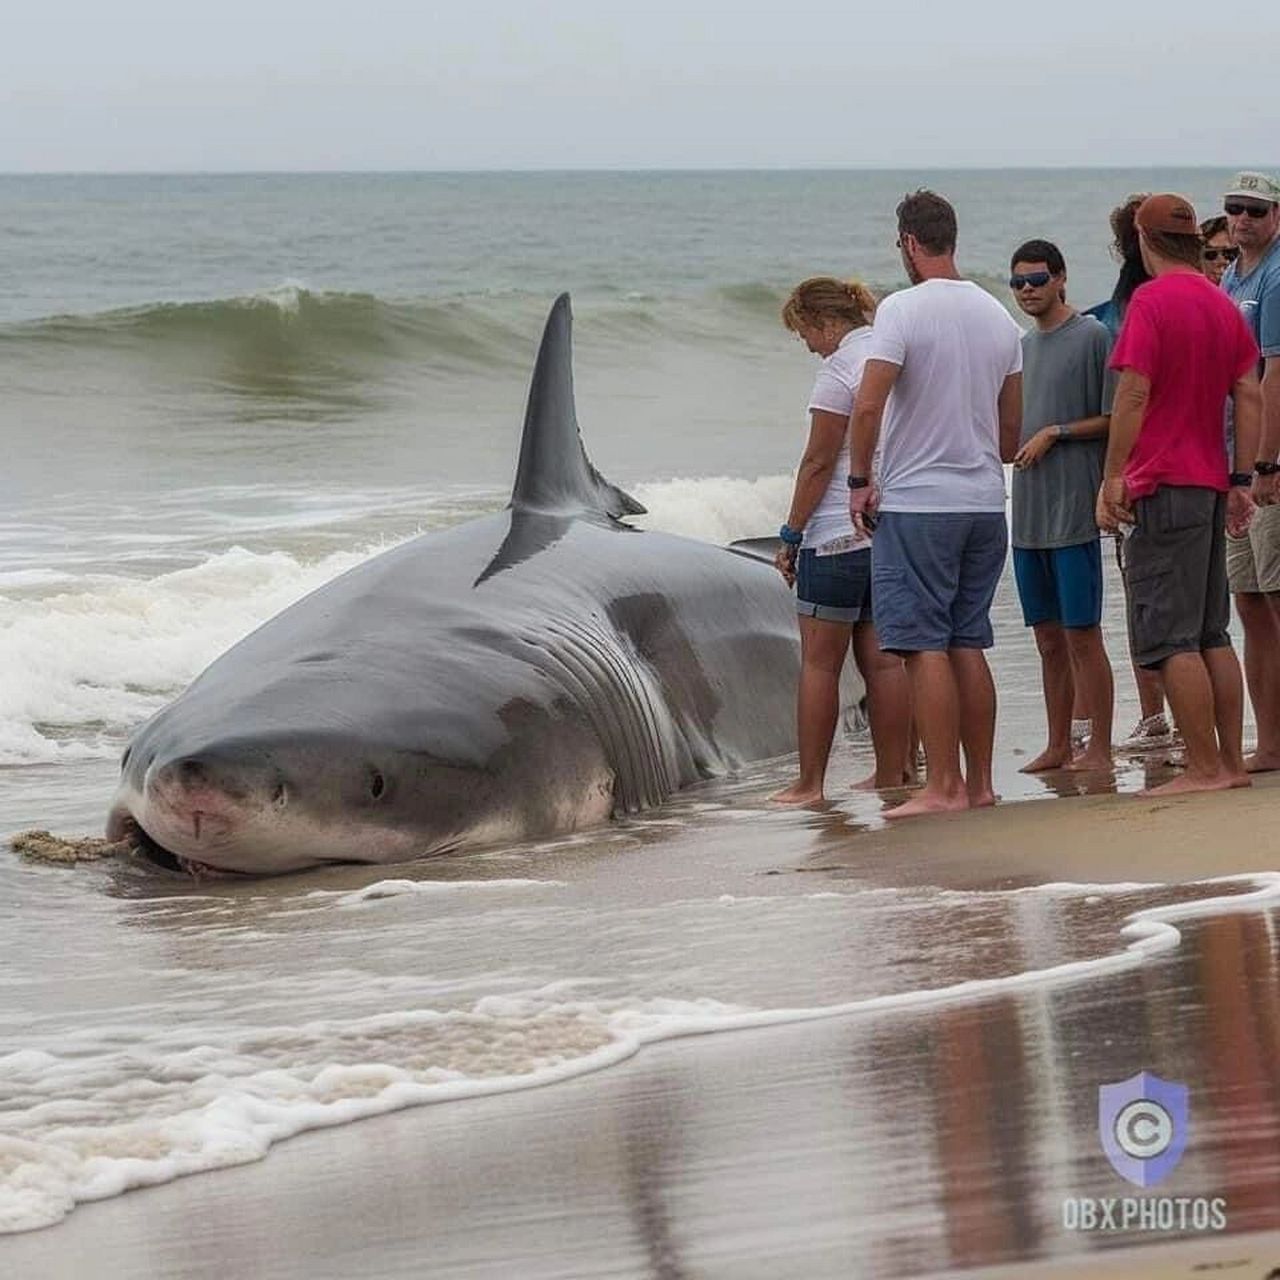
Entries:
{"x":1182,"y":351}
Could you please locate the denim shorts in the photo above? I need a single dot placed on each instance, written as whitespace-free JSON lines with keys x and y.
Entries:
{"x":933,"y":577}
{"x":834,"y":588}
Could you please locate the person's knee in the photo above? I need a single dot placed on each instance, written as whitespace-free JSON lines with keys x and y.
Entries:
{"x":1255,"y":610}
{"x":1051,"y":641}
{"x":1085,"y":642}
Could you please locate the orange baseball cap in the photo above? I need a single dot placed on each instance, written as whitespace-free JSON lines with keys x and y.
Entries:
{"x":1168,"y":213}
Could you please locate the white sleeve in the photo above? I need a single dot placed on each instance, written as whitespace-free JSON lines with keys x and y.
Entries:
{"x":832,"y":394}
{"x":888,"y":335}
{"x":1015,"y":365}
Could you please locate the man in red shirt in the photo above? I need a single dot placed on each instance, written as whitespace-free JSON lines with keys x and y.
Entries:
{"x":1183,"y":349}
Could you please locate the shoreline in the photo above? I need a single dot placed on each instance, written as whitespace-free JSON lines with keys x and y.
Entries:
{"x":799,"y":1146}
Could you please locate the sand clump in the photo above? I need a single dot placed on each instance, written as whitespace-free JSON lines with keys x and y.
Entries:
{"x":44,"y":846}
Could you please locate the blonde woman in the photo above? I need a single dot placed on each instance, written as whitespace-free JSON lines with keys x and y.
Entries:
{"x":827,"y":560}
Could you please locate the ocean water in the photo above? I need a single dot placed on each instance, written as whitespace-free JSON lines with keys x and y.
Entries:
{"x":217,"y":393}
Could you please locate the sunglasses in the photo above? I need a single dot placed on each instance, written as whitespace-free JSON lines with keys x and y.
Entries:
{"x":1235,"y":209}
{"x":1212,"y":255}
{"x":1032,"y":280}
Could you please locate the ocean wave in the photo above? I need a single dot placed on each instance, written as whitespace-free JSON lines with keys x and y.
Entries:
{"x":290,"y":325}
{"x":85,"y":656}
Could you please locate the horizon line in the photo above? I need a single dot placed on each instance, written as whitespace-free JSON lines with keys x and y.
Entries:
{"x":615,"y":170}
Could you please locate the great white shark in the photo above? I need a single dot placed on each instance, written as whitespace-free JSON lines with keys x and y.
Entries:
{"x":520,"y":675}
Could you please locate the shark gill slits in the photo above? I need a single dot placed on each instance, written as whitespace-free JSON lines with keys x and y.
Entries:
{"x":280,"y":796}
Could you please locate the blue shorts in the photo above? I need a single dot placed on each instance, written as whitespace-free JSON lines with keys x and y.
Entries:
{"x":933,"y":577}
{"x":1063,"y":585}
{"x":834,"y":588}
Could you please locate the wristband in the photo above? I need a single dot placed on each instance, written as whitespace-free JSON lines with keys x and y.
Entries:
{"x":858,"y":482}
{"x":790,"y":536}
{"x":1061,"y":432}
{"x":1266,"y":468}
{"x":1240,"y":479}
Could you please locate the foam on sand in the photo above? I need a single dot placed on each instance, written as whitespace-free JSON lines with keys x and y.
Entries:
{"x":97,"y":1119}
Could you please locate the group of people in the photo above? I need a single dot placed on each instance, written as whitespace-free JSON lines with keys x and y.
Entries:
{"x":1154,"y":417}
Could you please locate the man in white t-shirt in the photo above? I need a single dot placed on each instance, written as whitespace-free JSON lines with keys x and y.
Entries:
{"x":943,"y":386}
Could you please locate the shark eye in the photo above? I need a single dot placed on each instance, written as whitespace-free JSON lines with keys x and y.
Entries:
{"x":377,"y":784}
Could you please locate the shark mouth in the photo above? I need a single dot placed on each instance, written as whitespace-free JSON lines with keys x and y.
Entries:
{"x":126,"y":827}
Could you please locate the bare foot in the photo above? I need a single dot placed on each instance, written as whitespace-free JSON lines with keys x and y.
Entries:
{"x":1185,"y":783}
{"x":1099,"y":760}
{"x":873,"y":782}
{"x":982,"y":799}
{"x":1262,"y":762}
{"x":1240,"y":780}
{"x":795,"y":794}
{"x":1049,"y":758}
{"x":930,"y":802}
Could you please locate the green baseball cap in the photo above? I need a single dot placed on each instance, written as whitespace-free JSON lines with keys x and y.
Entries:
{"x":1253,"y":186}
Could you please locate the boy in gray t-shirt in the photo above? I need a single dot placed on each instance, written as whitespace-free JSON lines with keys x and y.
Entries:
{"x":1057,"y":552}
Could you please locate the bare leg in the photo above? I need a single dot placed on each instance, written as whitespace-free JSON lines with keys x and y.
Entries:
{"x":937,"y":706}
{"x":1150,"y":691}
{"x":977,"y":692}
{"x":1190,"y":693}
{"x":1059,"y":694}
{"x":1262,"y":670}
{"x":888,"y":706}
{"x":1096,"y":688}
{"x":1228,"y":710}
{"x":1150,"y":684}
{"x":823,"y":646}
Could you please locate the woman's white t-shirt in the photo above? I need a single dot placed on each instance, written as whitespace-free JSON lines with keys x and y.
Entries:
{"x":834,"y":392}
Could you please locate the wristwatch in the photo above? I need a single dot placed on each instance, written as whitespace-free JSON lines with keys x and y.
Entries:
{"x":1266,"y":468}
{"x":858,"y":482}
{"x":1061,"y":433}
{"x":1240,"y":479}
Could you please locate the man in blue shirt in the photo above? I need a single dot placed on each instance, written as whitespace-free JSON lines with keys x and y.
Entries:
{"x":1252,"y":206}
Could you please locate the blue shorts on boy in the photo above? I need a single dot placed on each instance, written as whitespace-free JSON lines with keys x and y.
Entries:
{"x":1061,"y":585}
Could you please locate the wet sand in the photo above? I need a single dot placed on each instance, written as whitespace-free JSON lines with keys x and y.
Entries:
{"x":907,"y":1142}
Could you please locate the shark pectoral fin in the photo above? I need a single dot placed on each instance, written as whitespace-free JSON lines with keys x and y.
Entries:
{"x":757,"y":548}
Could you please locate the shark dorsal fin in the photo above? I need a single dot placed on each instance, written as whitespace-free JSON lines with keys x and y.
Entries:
{"x":555,"y":476}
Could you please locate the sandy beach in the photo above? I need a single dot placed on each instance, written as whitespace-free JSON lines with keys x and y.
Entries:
{"x":888,"y":1141}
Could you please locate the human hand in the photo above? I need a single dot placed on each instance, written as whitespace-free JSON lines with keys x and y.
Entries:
{"x":863,"y":505}
{"x":1266,"y":490}
{"x":785,"y":562}
{"x":1240,"y":509}
{"x":1113,"y":508}
{"x":1034,"y":449}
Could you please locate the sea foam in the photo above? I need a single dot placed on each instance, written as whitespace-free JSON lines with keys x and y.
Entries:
{"x":99,"y":1119}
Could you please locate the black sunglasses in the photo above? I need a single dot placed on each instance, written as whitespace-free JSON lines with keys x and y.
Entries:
{"x":1235,"y":209}
{"x":1032,"y":280}
{"x":1212,"y":255}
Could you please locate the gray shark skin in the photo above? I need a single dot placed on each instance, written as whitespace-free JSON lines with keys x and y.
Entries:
{"x":520,"y":675}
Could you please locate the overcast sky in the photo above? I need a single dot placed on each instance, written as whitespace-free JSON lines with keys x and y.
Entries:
{"x":482,"y":84}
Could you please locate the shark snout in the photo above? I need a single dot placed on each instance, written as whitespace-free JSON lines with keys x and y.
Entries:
{"x":196,"y":796}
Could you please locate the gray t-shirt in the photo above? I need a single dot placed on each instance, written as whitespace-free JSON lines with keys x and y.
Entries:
{"x":1064,"y":379}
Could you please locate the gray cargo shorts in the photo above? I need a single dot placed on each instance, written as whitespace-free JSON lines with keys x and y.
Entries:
{"x":1175,"y":574}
